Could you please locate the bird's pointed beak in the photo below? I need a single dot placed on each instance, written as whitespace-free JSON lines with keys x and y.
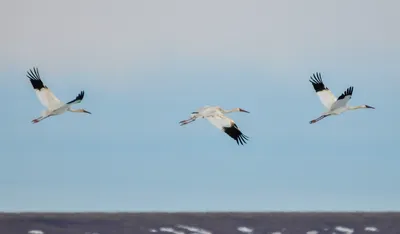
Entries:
{"x":87,"y":112}
{"x":371,"y":107}
{"x":241,"y":110}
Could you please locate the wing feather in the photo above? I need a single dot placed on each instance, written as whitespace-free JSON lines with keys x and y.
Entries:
{"x":325,"y":95}
{"x":78,"y":98}
{"x":229,"y":127}
{"x":44,"y":94}
{"x":219,"y":121}
{"x":343,"y":99}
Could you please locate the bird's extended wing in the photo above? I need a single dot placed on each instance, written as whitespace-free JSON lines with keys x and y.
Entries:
{"x":44,"y":94}
{"x":325,"y":95}
{"x":78,"y":98}
{"x":343,"y":99}
{"x":229,"y":127}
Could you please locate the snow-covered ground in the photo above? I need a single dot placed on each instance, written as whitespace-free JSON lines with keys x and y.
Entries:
{"x":201,"y":223}
{"x":249,"y":230}
{"x":185,"y":229}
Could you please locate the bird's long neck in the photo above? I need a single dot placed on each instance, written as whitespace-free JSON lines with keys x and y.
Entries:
{"x":75,"y":110}
{"x":355,"y":107}
{"x":230,"y":111}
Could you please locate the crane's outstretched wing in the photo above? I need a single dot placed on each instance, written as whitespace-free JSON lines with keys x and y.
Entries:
{"x":229,"y":127}
{"x":44,"y":94}
{"x":325,"y":95}
{"x":78,"y":98}
{"x":343,"y":99}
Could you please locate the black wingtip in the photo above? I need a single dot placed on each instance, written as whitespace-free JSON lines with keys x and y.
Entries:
{"x":80,"y":95}
{"x":236,"y":134}
{"x":348,"y":92}
{"x":34,"y":77}
{"x":317,"y":82}
{"x":78,"y":98}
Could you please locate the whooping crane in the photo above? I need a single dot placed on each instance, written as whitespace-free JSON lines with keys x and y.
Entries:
{"x":49,"y":100}
{"x":334,"y":106}
{"x":216,"y":116}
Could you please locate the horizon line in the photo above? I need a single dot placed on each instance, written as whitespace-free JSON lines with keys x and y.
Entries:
{"x":198,"y":212}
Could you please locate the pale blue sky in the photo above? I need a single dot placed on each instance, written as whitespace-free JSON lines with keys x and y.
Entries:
{"x":146,"y":65}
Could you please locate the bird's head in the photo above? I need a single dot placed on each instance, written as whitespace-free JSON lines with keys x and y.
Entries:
{"x":241,"y":110}
{"x":369,"y":107}
{"x":84,"y":111}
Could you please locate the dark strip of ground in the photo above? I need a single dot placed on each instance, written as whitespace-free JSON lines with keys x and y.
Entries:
{"x":185,"y":223}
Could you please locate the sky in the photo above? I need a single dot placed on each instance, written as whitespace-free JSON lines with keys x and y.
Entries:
{"x":146,"y":65}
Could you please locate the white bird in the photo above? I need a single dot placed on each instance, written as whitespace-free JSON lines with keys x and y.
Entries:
{"x":49,"y":100}
{"x":333,"y":105}
{"x":215,"y":115}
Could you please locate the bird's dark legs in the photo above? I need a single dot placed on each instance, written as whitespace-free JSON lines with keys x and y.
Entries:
{"x":318,"y":119}
{"x":40,"y":119}
{"x":37,"y":120}
{"x":183,"y":122}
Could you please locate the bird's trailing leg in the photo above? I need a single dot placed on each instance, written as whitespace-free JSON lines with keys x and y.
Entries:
{"x":37,"y":120}
{"x":183,"y":122}
{"x":318,"y":119}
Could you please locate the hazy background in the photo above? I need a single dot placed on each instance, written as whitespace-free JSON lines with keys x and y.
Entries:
{"x":146,"y":65}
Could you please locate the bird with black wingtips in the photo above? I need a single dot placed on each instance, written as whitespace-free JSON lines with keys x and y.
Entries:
{"x":234,"y":132}
{"x":216,"y":116}
{"x":53,"y":105}
{"x":334,"y":106}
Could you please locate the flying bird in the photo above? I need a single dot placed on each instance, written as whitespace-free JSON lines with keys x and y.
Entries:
{"x":216,"y":116}
{"x":49,"y":100}
{"x":335,"y":106}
